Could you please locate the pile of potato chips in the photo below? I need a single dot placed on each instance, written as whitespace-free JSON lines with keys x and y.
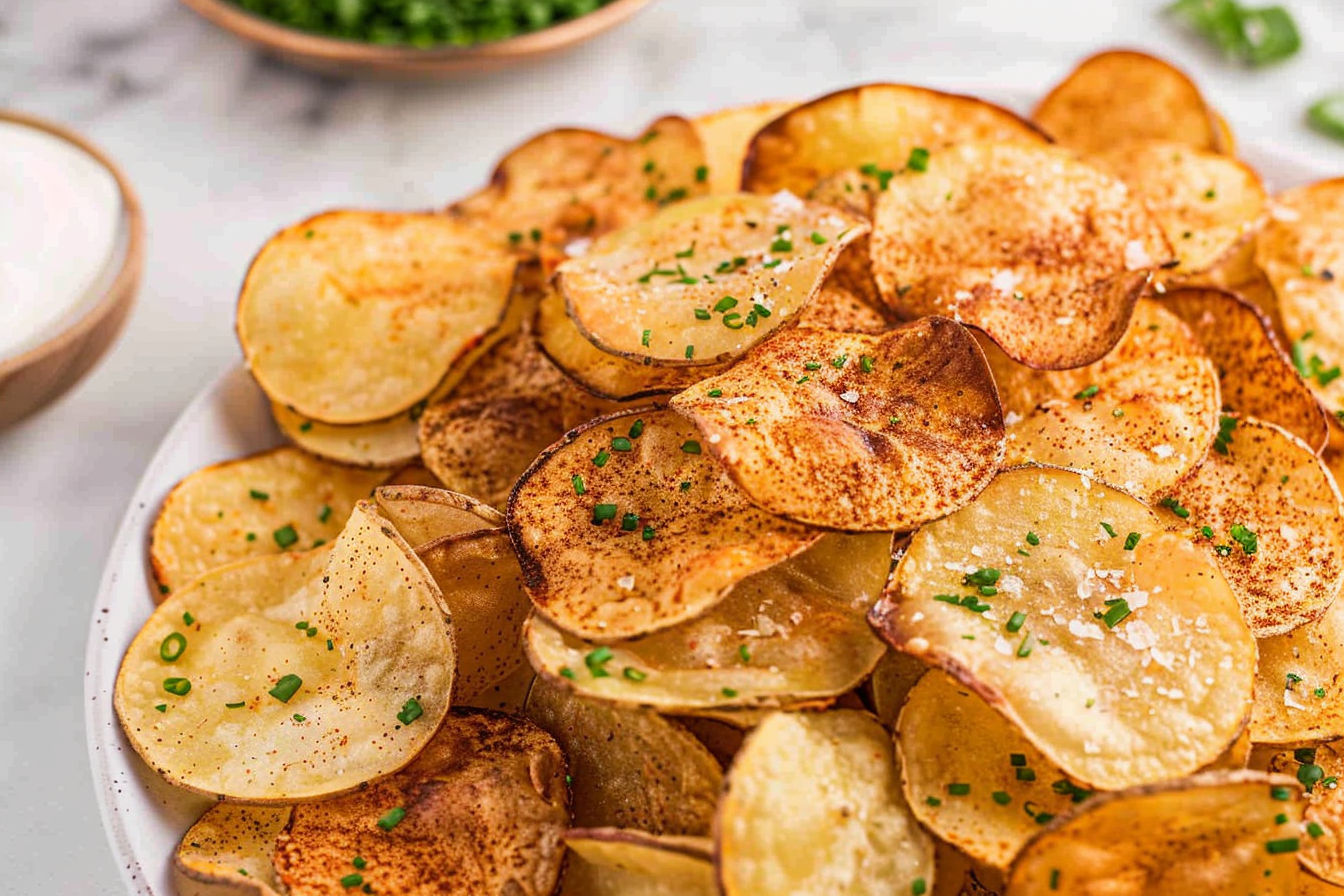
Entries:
{"x":882,"y":494}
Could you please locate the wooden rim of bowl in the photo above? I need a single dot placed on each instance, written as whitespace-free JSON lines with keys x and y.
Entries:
{"x":119,"y":289}
{"x":292,"y":41}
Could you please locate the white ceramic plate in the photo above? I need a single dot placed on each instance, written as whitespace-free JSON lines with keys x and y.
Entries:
{"x":143,"y":816}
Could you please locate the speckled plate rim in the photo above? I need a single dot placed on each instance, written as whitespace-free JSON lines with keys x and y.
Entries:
{"x":143,"y":816}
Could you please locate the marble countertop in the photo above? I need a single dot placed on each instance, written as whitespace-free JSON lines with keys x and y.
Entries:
{"x":225,"y":146}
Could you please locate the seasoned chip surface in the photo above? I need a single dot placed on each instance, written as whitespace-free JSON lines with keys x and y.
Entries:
{"x":230,"y":847}
{"x":855,"y":432}
{"x":617,"y":862}
{"x":1318,"y":769}
{"x":1299,"y":683}
{"x":1044,"y":253}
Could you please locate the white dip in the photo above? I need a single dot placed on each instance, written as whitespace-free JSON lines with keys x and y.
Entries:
{"x":60,"y":225}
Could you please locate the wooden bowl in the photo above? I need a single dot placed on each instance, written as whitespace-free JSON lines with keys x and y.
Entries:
{"x":39,"y":375}
{"x":335,"y":56}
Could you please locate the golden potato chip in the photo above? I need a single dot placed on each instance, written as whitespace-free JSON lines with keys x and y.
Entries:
{"x":351,"y":317}
{"x":628,"y":526}
{"x":893,"y":677}
{"x":1299,"y":684}
{"x":1301,"y":250}
{"x":703,"y":281}
{"x":423,"y":514}
{"x":726,"y":134}
{"x":1318,"y":770}
{"x":1120,"y":95}
{"x":383,"y":443}
{"x":1043,"y":253}
{"x":1217,"y":832}
{"x":883,"y":127}
{"x":552,"y":193}
{"x":856,"y":432}
{"x":293,"y":676}
{"x":630,"y":768}
{"x":970,"y":776}
{"x":483,"y":589}
{"x":1141,"y":418}
{"x":792,"y":634}
{"x":507,"y":696}
{"x":230,"y":846}
{"x":1205,"y":202}
{"x":1062,"y":603}
{"x":813,"y":806}
{"x":836,"y":307}
{"x":1254,"y":373}
{"x":604,"y":374}
{"x":483,"y":809}
{"x":615,"y":862}
{"x":256,"y":505}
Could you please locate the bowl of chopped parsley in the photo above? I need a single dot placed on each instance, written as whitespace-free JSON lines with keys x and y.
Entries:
{"x":414,"y":38}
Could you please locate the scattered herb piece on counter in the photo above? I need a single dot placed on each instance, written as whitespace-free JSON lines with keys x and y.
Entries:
{"x":1253,"y":36}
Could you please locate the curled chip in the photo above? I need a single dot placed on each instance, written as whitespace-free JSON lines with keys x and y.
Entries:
{"x":628,"y":526}
{"x":1299,"y":683}
{"x":229,"y":849}
{"x":727,"y":133}
{"x":1270,"y":510}
{"x":813,"y":806}
{"x":423,"y":514}
{"x":551,"y":194}
{"x":893,"y":677}
{"x":1301,"y":251}
{"x":249,"y":507}
{"x":1206,"y":203}
{"x":1254,"y":372}
{"x":483,"y":809}
{"x":630,"y":768}
{"x":703,"y":281}
{"x":856,"y":432}
{"x":881,"y":127}
{"x":1141,"y":418}
{"x":1062,"y":603}
{"x":351,"y":317}
{"x":1318,"y":769}
{"x":483,"y":590}
{"x":1217,"y":832}
{"x":616,"y":862}
{"x":970,"y":776}
{"x":604,"y":374}
{"x":792,"y":634}
{"x":278,"y":678}
{"x":1122,"y":95}
{"x":1043,"y":253}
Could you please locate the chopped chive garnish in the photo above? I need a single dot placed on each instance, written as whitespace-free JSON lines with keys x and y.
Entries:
{"x":918,"y":160}
{"x":258,"y":495}
{"x":1132,"y":541}
{"x":1110,"y":530}
{"x":1015,"y":621}
{"x":690,"y":446}
{"x":958,"y":788}
{"x":324,"y":514}
{"x":1033,"y":539}
{"x":714,"y":393}
{"x":352,"y":880}
{"x":1017,"y":760}
{"x":410,"y":711}
{"x":743,"y":653}
{"x":1088,"y":392}
{"x":636,"y":429}
{"x":239,"y":705}
{"x":1116,"y":612}
{"x":1248,"y":540}
{"x":596,"y":660}
{"x":1025,"y":774}
{"x":728,"y":692}
{"x":817,"y":238}
{"x":600,"y":459}
{"x":566,"y":672}
{"x":603,"y":512}
{"x":621,"y":443}
{"x":1278,"y":847}
{"x":161,"y":707}
{"x":579,"y":487}
{"x":983,"y":576}
{"x":629,"y":522}
{"x":633,"y":674}
{"x":1314,"y":829}
{"x":649,"y":533}
{"x":188,"y":619}
{"x":285,"y":536}
{"x":172,"y":647}
{"x":644,"y":339}
{"x":1001,"y":798}
{"x":286,"y":687}
{"x":391,"y":818}
{"x":178,"y":687}
{"x":1175,"y":507}
{"x":1282,"y":794}
{"x":933,"y":801}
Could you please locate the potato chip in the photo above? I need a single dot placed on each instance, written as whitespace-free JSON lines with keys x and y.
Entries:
{"x":957,"y":875}
{"x":1299,"y":685}
{"x":893,"y":677}
{"x":602,"y":373}
{"x":1236,"y":756}
{"x":1205,"y":202}
{"x":791,"y":634}
{"x":1254,"y":373}
{"x":1270,"y":510}
{"x":881,"y":126}
{"x":423,"y":514}
{"x":726,"y":134}
{"x":579,"y":406}
{"x":294,"y":676}
{"x":813,"y":806}
{"x":1218,"y":832}
{"x":970,"y":776}
{"x":1043,"y":253}
{"x":1318,"y":770}
{"x":631,"y":768}
{"x":856,"y":432}
{"x":1121,"y":95}
{"x":615,"y":862}
{"x":256,"y":505}
{"x":721,"y":737}
{"x":1309,"y":884}
{"x":483,"y":809}
{"x":1141,"y":418}
{"x":551,"y":194}
{"x":230,"y":846}
{"x":1061,"y":603}
{"x":351,"y":317}
{"x":628,"y":526}
{"x":483,"y":589}
{"x":703,"y":281}
{"x":413,"y":473}
{"x":836,"y":307}
{"x":1301,"y":251}
{"x":507,"y":696}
